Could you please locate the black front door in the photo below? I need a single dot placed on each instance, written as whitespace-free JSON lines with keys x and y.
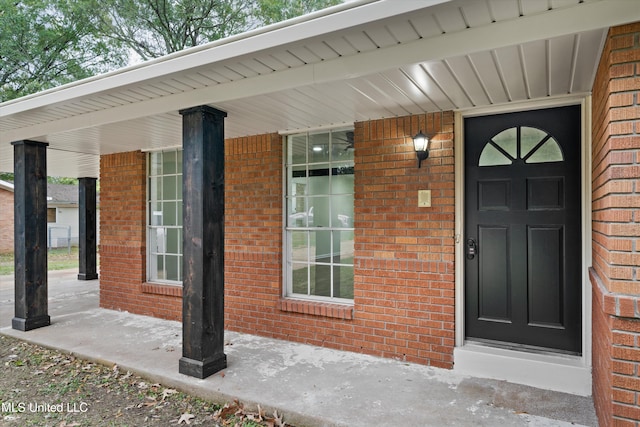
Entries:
{"x":523,"y":229}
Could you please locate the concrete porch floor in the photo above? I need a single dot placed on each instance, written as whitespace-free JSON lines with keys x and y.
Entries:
{"x":311,"y":386}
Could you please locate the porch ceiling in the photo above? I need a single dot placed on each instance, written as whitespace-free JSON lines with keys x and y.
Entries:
{"x":357,"y":61}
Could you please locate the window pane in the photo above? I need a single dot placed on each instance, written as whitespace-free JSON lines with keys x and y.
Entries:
{"x":174,"y":242}
{"x":169,"y":162}
{"x":300,"y":246}
{"x":158,"y":240}
{"x":179,"y":162}
{"x":320,"y":280}
{"x":160,"y":267}
{"x":342,"y":145}
{"x":297,"y":149}
{"x":342,"y":211}
{"x":155,"y":215}
{"x":318,"y":214}
{"x":529,"y":138}
{"x":296,"y":212}
{"x":508,"y":141}
{"x":491,"y":156}
{"x":155,"y":160}
{"x":319,"y":148}
{"x":169,"y":213}
{"x":318,"y":181}
{"x":169,"y":191}
{"x":550,"y":151}
{"x":300,"y":278}
{"x":172,"y":267}
{"x":155,"y":188}
{"x":343,"y":282}
{"x":321,"y":250}
{"x":298,"y":181}
{"x":343,"y":247}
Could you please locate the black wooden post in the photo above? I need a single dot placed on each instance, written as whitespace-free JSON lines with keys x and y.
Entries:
{"x":87,"y":227}
{"x":203,"y":242}
{"x":30,"y":228}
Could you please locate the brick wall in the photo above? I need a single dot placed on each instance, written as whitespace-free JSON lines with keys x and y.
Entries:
{"x":123,"y":241}
{"x":404,"y":280}
{"x":616,"y":227}
{"x":6,"y":221}
{"x":404,"y":273}
{"x":253,"y":235}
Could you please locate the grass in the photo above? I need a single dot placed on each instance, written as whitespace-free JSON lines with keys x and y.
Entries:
{"x":93,"y":394}
{"x":57,"y":259}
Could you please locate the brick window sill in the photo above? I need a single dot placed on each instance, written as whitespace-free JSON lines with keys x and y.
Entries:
{"x":161,"y":289}
{"x":336,"y":311}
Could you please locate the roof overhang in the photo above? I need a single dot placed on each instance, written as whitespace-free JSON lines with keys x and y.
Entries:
{"x":361,"y":60}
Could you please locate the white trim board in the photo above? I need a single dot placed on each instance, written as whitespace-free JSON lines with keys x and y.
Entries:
{"x":566,"y":374}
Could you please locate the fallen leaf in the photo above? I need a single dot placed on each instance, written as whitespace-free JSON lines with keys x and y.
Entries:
{"x":168,"y":392}
{"x":186,"y":418}
{"x":278,"y":419}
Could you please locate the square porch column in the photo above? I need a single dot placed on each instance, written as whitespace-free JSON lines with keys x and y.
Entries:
{"x":30,"y":243}
{"x":203,"y":242}
{"x":87,"y":229}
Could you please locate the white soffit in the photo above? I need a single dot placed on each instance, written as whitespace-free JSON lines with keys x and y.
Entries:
{"x":359,"y":61}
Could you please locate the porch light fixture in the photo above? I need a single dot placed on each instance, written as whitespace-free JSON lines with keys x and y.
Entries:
{"x":421,"y":145}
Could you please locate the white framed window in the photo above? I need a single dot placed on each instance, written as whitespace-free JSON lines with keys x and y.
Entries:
{"x":164,"y":219}
{"x":319,"y":216}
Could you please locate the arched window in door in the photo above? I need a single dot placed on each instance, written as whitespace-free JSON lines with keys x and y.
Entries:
{"x":529,"y":144}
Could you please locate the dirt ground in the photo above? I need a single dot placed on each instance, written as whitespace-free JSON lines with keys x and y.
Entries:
{"x":42,"y":387}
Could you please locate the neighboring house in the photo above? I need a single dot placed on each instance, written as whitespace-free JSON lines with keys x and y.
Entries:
{"x":6,"y":217}
{"x":63,"y":215}
{"x":511,"y":252}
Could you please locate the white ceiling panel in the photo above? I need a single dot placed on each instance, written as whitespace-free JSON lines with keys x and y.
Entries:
{"x":426,"y":25}
{"x":476,"y":14}
{"x":464,"y":73}
{"x":405,"y":105}
{"x":381,"y":36}
{"x":258,"y":67}
{"x":423,"y":80}
{"x":360,"y":41}
{"x":562,"y":53}
{"x":503,"y":10}
{"x":440,"y":74}
{"x":535,"y":68}
{"x":528,"y":7}
{"x":341,"y":46}
{"x":402,"y":31}
{"x":450,"y":19}
{"x":410,"y":90}
{"x":510,"y":71}
{"x":589,"y":48}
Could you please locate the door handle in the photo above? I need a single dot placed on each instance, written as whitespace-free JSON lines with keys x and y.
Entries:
{"x":472,"y":248}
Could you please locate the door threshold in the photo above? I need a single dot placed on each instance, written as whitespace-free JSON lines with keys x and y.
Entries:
{"x":551,"y":371}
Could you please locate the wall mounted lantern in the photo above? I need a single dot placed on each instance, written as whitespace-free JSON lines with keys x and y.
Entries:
{"x":421,"y":145}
